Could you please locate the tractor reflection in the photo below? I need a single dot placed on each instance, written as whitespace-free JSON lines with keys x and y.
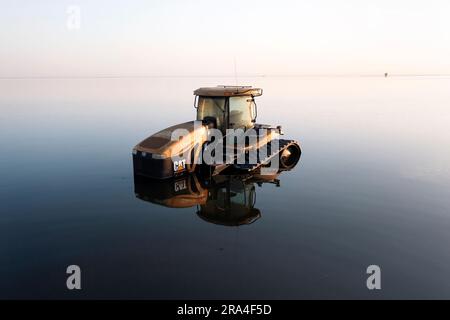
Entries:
{"x":227,"y":200}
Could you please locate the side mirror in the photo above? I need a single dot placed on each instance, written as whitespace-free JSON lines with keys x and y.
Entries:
{"x":196,"y":102}
{"x":253,"y":110}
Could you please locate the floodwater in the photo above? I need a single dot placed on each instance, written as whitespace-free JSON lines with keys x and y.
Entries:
{"x":372,"y":188}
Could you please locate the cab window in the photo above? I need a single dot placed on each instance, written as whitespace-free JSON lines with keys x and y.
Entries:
{"x":211,"y":107}
{"x":241,"y":112}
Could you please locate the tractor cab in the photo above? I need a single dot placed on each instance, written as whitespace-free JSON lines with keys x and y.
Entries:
{"x":227,"y":107}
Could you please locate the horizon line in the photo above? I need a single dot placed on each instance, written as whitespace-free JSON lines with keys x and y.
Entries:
{"x":112,"y":76}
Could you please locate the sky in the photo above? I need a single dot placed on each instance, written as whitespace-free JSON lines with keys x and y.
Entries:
{"x":212,"y":38}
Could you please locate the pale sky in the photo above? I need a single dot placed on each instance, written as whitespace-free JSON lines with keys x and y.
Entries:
{"x":171,"y":37}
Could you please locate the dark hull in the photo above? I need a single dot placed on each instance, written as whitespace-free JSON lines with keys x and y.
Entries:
{"x":153,"y":168}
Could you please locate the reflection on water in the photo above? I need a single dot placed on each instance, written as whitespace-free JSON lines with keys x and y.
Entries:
{"x":227,"y":200}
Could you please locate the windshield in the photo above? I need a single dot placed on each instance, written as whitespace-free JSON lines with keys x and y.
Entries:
{"x":241,"y":112}
{"x":211,"y":107}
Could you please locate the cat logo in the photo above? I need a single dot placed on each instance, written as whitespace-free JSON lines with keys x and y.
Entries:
{"x":179,"y":166}
{"x":180,"y":185}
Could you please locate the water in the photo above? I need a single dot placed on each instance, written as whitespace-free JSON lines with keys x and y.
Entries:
{"x":372,"y":187}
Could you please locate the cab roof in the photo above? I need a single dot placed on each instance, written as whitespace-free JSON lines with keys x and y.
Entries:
{"x":228,"y":91}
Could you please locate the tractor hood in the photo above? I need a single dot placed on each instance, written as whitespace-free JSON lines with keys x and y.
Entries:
{"x":163,"y":146}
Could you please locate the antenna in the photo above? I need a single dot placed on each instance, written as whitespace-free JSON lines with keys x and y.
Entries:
{"x":235,"y":72}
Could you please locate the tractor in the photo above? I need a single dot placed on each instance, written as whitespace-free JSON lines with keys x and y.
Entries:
{"x":224,"y":136}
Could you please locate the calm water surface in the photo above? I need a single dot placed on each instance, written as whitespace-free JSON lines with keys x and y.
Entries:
{"x":372,"y":187}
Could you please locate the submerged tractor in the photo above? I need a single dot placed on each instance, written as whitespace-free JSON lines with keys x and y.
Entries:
{"x":224,"y":137}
